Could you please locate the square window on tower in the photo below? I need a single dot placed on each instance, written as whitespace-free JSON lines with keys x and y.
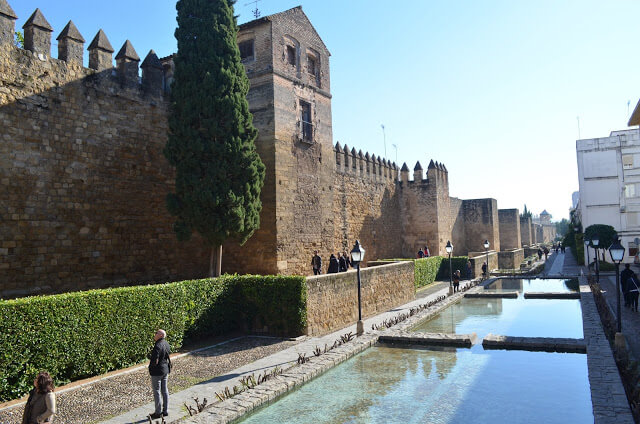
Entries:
{"x":305,"y":121}
{"x":246,"y":50}
{"x":291,"y":55}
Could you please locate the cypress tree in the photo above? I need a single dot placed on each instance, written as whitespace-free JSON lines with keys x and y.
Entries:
{"x":219,"y":174}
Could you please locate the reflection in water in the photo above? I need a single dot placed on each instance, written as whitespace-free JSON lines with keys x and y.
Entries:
{"x":397,"y":385}
{"x":509,"y":317}
{"x":534,"y":285}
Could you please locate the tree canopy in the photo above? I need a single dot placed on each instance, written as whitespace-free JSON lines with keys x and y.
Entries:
{"x":219,"y":174}
{"x":606,"y":235}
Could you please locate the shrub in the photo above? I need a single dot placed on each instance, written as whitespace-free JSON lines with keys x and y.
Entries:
{"x":425,"y":270}
{"x":76,"y":335}
{"x":457,"y":262}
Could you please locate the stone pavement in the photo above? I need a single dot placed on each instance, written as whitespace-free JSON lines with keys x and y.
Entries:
{"x":282,"y":359}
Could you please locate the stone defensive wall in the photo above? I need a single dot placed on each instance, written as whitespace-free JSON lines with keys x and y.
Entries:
{"x":82,"y":175}
{"x":332,"y":299}
{"x":510,"y":234}
{"x":366,"y":204}
{"x":525,"y":231}
{"x":511,"y":258}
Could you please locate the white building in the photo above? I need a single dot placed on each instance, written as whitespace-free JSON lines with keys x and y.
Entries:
{"x":609,"y":182}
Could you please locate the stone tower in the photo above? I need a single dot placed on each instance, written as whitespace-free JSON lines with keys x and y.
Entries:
{"x":288,"y":68}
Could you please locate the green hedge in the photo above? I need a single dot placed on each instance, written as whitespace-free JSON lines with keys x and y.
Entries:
{"x":425,"y":270}
{"x":81,"y":334}
{"x":457,"y":262}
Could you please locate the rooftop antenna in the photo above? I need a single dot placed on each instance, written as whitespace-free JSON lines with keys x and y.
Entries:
{"x":384,"y":140}
{"x":578,"y":118}
{"x":256,"y":12}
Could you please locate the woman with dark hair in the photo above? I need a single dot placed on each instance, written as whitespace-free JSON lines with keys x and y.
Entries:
{"x":41,"y":405}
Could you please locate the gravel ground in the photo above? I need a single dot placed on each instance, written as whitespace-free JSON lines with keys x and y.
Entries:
{"x":121,"y":393}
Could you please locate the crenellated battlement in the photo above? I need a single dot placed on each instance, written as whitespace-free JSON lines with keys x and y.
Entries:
{"x":436,"y":173}
{"x":37,"y":41}
{"x":352,"y":162}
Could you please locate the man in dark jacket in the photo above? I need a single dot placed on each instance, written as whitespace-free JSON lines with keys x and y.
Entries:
{"x":342,"y":263}
{"x":316,"y":263}
{"x":334,"y":265}
{"x":159,"y":368}
{"x":625,"y":283}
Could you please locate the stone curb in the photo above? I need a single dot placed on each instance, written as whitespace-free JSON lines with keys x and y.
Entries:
{"x":534,"y":344}
{"x":502,"y":295}
{"x":542,"y":295}
{"x":608,"y":398}
{"x":438,"y":339}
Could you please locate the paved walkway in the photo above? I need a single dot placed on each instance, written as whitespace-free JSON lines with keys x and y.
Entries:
{"x":281,"y":359}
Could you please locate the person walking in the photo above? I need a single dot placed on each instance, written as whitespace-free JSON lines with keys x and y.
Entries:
{"x":346,"y":260}
{"x":342,"y":263}
{"x":420,"y":253}
{"x":539,"y":253}
{"x":469,"y":270}
{"x":625,"y":284}
{"x":484,"y":269}
{"x":456,"y":281}
{"x":159,"y":369}
{"x":316,"y":263}
{"x":334,"y":266}
{"x":634,"y":291}
{"x":41,"y":404}
{"x":546,"y":253}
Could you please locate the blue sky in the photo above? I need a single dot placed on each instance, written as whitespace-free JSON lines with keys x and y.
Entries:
{"x":490,"y":88}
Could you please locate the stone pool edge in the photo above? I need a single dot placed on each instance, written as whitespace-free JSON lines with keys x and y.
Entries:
{"x":608,"y":398}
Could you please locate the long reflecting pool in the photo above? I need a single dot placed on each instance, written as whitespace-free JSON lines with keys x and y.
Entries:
{"x":534,"y":285}
{"x":512,"y":317}
{"x":402,"y":385}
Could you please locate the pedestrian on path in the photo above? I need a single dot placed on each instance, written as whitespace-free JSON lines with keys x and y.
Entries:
{"x":41,"y":404}
{"x":634,"y":292}
{"x":342,"y":263}
{"x":539,"y":253}
{"x":334,"y":265}
{"x":456,"y":281}
{"x":484,"y":269}
{"x":469,"y":270}
{"x":625,"y":284}
{"x":159,"y":369}
{"x":316,"y":263}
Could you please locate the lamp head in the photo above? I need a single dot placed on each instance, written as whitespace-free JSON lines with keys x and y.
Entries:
{"x":449,"y":247}
{"x":486,"y":244}
{"x":616,"y":250}
{"x":357,"y":253}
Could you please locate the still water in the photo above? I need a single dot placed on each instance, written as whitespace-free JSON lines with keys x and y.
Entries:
{"x":512,"y":317}
{"x":407,"y":385}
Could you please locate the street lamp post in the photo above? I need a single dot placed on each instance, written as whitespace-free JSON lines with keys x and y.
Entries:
{"x":595,"y":240}
{"x":617,"y":253}
{"x":486,"y":248}
{"x":449,"y":249}
{"x":357,"y":255}
{"x":586,"y":247}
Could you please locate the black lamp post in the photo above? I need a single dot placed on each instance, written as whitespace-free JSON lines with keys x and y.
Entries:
{"x":486,"y":248}
{"x":357,"y":255}
{"x":586,"y":247}
{"x":449,"y":249}
{"x":617,"y":253}
{"x":595,"y":240}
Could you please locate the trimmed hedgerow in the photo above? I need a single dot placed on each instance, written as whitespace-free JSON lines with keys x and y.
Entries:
{"x":81,"y":334}
{"x":457,"y":262}
{"x":425,"y":270}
